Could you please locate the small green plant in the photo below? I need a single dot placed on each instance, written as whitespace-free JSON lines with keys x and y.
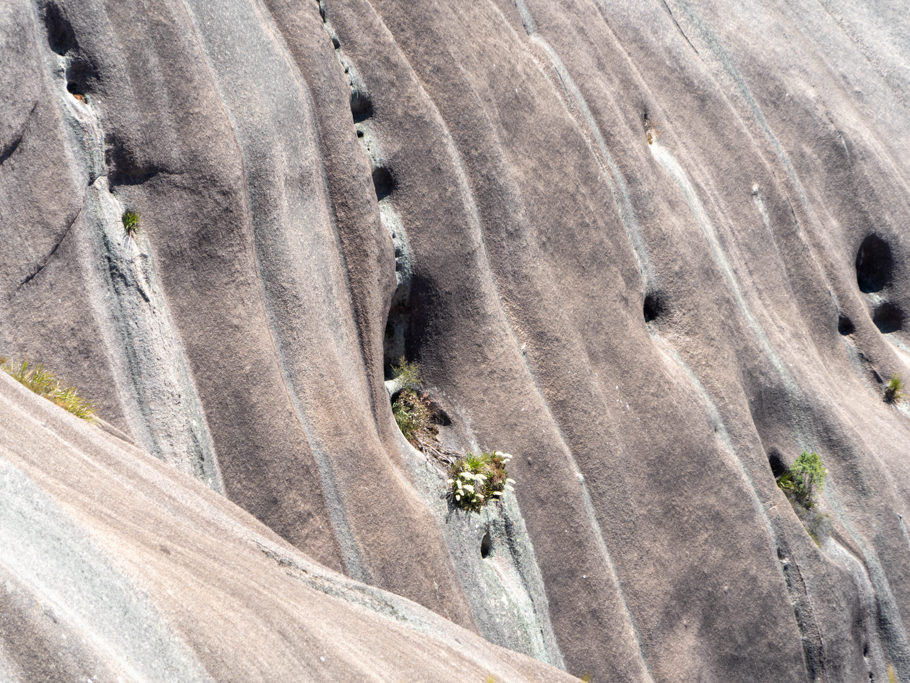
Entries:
{"x":411,"y":409}
{"x":131,"y":222}
{"x":407,"y":374}
{"x":894,"y":391}
{"x":413,"y":416}
{"x":804,"y":479}
{"x":478,"y":479}
{"x":43,"y":382}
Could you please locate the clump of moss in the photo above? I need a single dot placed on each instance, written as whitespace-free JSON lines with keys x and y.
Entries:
{"x":894,"y":391}
{"x":478,"y":479}
{"x":43,"y":382}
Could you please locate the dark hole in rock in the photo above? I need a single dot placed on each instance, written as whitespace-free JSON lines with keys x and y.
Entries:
{"x":438,"y":415}
{"x":60,"y":35}
{"x":865,"y":649}
{"x":776,"y":462}
{"x":361,"y":106}
{"x":653,"y":306}
{"x":395,"y":342}
{"x":844,"y":325}
{"x":118,"y":157}
{"x":383,"y":181}
{"x":125,"y":167}
{"x":874,"y":264}
{"x":335,"y":42}
{"x":780,"y":554}
{"x":888,"y":317}
{"x":81,"y":76}
{"x":359,"y":133}
{"x":485,"y":545}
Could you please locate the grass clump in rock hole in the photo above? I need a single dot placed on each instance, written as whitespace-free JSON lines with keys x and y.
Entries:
{"x":411,"y":410}
{"x":130,"y":222}
{"x":413,"y":416}
{"x":802,"y":482}
{"x":43,"y":382}
{"x":804,"y":479}
{"x":478,"y":479}
{"x":894,"y":391}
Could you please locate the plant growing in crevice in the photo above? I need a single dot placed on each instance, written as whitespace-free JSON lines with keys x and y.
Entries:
{"x":411,"y":410}
{"x":130,"y":222}
{"x":413,"y":416}
{"x":894,"y":390}
{"x":478,"y":479}
{"x":407,"y":374}
{"x":43,"y":382}
{"x":804,"y":479}
{"x":801,"y":483}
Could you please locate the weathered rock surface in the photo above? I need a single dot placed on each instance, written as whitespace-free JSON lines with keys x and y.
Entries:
{"x":648,"y":248}
{"x":115,"y":566}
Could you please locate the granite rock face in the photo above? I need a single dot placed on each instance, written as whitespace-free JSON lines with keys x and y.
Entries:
{"x":118,"y":567}
{"x":653,"y":250}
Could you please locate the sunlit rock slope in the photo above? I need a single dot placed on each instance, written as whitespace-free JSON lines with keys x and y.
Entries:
{"x":117,"y":567}
{"x":655,"y":250}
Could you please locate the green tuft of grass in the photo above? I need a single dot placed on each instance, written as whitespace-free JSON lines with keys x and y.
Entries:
{"x":43,"y":382}
{"x":131,"y":222}
{"x":894,"y":391}
{"x":804,"y":479}
{"x":478,"y":479}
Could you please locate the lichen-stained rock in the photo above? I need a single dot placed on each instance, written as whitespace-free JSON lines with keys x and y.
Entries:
{"x":650,"y":249}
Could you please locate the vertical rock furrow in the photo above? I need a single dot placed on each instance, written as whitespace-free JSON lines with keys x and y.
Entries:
{"x":152,"y":382}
